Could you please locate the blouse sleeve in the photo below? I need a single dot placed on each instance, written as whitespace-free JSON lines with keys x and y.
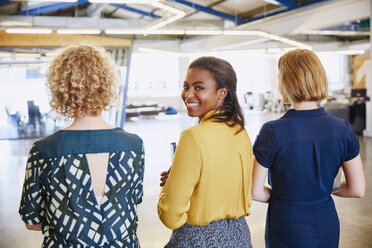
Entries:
{"x":352,"y":145}
{"x":31,"y":207}
{"x":264,"y":146}
{"x":174,"y":200}
{"x":140,"y":173}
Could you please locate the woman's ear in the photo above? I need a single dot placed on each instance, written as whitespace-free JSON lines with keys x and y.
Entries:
{"x":222,"y":93}
{"x":286,"y":100}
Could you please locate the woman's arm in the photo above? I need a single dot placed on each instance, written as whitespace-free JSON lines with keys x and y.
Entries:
{"x":30,"y":209}
{"x":260,"y":192}
{"x":354,"y":185}
{"x":174,"y":199}
{"x":36,"y":227}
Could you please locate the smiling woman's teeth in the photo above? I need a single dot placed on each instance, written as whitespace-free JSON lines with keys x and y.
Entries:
{"x":192,"y":104}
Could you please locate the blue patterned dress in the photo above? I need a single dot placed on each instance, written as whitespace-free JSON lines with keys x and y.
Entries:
{"x":58,"y":193}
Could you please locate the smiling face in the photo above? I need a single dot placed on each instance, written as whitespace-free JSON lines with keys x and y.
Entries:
{"x":200,"y":93}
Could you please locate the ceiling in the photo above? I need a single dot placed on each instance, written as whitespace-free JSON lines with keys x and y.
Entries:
{"x":312,"y":22}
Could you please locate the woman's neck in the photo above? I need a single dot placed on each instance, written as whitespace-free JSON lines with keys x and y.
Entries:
{"x":89,"y":123}
{"x":304,"y":105}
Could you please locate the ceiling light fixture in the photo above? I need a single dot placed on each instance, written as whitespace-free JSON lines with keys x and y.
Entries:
{"x":78,"y":31}
{"x":166,"y":31}
{"x":284,"y":40}
{"x":273,"y":2}
{"x":146,"y":32}
{"x":28,"y":30}
{"x":124,"y":31}
{"x":178,"y":14}
{"x":203,"y":32}
{"x":124,"y":1}
{"x":70,"y":1}
{"x":239,"y":32}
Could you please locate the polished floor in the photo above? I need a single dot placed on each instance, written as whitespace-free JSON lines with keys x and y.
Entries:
{"x":355,"y":214}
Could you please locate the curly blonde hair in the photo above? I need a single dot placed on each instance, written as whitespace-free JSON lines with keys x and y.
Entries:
{"x":83,"y":81}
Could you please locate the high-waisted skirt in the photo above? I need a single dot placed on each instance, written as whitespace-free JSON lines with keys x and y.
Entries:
{"x":217,"y":234}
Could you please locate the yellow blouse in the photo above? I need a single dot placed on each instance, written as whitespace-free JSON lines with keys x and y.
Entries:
{"x":211,"y":176}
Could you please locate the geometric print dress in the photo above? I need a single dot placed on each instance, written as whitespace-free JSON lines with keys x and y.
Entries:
{"x":58,"y":192}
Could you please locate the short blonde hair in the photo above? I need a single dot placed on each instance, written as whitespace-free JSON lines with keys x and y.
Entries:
{"x":83,"y":81}
{"x":302,"y":76}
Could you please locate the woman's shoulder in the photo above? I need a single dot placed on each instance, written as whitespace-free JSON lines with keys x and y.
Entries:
{"x":204,"y":127}
{"x":88,"y":141}
{"x":212,"y":129}
{"x":131,"y":137}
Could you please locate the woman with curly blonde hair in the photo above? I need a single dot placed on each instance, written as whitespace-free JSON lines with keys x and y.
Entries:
{"x":83,"y":183}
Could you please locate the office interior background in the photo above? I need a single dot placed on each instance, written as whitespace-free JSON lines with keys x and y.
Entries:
{"x":153,"y":42}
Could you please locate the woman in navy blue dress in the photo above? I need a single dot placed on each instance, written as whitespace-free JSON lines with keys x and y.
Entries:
{"x":302,"y":152}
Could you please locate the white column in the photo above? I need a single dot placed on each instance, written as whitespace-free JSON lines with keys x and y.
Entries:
{"x":368,"y":131}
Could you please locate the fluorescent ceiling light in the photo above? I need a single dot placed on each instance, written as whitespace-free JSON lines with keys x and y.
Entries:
{"x":203,"y":32}
{"x":166,"y":31}
{"x":273,"y":2}
{"x":125,"y":31}
{"x":78,"y":31}
{"x":168,"y":8}
{"x":125,"y":1}
{"x":284,"y":40}
{"x":263,"y":34}
{"x":70,"y":1}
{"x":161,"y":24}
{"x":239,"y":32}
{"x":145,"y":32}
{"x":28,"y":30}
{"x":178,"y":14}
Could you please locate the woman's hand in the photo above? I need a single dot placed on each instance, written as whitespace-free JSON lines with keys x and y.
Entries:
{"x":163,"y":177}
{"x":36,"y":227}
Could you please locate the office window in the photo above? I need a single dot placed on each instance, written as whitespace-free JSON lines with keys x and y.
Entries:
{"x":154,"y":74}
{"x":334,"y":65}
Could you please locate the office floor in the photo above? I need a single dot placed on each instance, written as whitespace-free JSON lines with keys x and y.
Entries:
{"x":355,"y":214}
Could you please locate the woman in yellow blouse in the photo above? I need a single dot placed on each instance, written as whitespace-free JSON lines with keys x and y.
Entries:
{"x":208,"y":190}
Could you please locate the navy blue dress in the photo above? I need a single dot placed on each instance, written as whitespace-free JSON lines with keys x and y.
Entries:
{"x":303,"y":151}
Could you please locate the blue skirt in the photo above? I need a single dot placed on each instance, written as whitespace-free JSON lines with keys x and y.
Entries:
{"x":290,"y":225}
{"x":222,"y":234}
